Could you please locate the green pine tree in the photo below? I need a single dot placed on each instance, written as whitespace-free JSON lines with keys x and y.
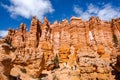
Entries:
{"x":115,"y":40}
{"x":56,"y":61}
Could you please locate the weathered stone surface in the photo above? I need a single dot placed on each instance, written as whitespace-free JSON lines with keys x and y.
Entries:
{"x":34,"y":34}
{"x":6,"y":59}
{"x":89,"y":65}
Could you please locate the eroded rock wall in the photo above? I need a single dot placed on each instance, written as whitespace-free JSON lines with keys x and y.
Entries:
{"x":77,"y":43}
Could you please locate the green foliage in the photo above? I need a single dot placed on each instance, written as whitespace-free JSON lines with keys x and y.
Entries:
{"x":23,"y":70}
{"x":55,"y":77}
{"x":56,"y":61}
{"x":115,"y":40}
{"x":39,"y":79}
{"x":8,"y":42}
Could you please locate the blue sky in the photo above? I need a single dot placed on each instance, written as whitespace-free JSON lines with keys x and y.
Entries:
{"x":13,"y":12}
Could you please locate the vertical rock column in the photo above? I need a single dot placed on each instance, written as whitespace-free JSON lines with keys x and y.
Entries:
{"x":56,"y":37}
{"x":34,"y":34}
{"x":46,"y":45}
{"x":18,"y":40}
{"x":64,"y":49}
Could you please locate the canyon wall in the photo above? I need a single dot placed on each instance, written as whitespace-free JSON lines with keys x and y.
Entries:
{"x":73,"y":42}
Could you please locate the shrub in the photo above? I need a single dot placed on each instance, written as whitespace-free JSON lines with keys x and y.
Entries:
{"x":8,"y":42}
{"x":56,"y":61}
{"x":23,"y":70}
{"x":55,"y":77}
{"x":39,"y":79}
{"x":115,"y":40}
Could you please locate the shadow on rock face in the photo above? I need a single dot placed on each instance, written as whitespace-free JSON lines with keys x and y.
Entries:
{"x":117,"y":74}
{"x":43,"y":75}
{"x":7,"y":67}
{"x":15,"y":78}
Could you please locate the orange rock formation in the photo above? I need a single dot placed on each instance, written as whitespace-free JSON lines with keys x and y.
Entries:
{"x":87,"y":45}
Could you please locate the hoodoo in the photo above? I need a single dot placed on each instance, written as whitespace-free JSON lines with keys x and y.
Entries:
{"x":84,"y":50}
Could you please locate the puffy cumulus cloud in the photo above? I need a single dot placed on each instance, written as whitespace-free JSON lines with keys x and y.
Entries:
{"x":106,"y":12}
{"x":29,"y":8}
{"x":3,"y":33}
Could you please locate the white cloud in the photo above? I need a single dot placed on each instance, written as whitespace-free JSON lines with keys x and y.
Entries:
{"x":3,"y":33}
{"x":29,"y":8}
{"x":78,"y":10}
{"x":92,"y":9}
{"x":106,"y":12}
